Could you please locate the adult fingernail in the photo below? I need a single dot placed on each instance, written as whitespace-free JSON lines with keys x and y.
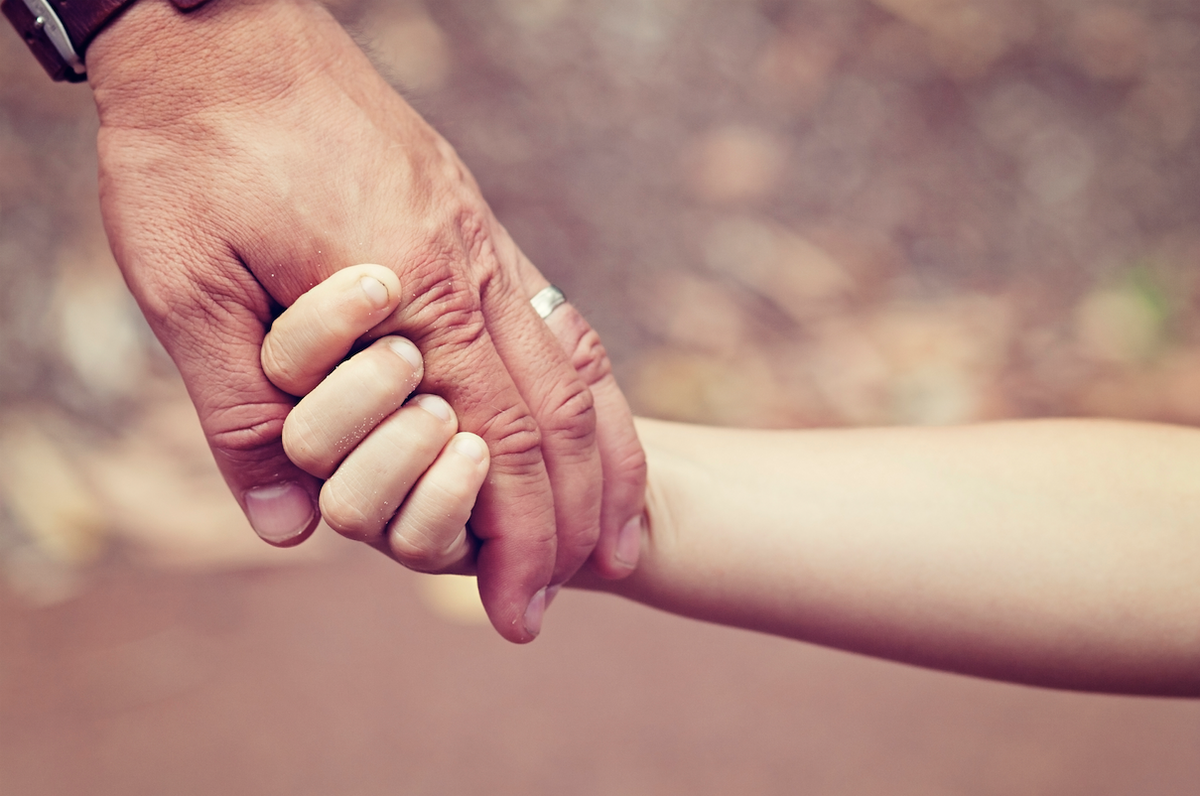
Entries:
{"x":434,"y":406}
{"x":535,"y":612}
{"x":404,"y":348}
{"x":629,"y":543}
{"x":551,"y":593}
{"x":376,"y":293}
{"x":279,"y":513}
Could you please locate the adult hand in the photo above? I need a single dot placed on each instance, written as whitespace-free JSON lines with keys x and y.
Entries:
{"x":247,"y":151}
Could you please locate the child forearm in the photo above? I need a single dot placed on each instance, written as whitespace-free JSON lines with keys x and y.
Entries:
{"x":1060,"y":553}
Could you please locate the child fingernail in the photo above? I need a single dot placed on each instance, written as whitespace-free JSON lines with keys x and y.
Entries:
{"x":535,"y":612}
{"x":629,"y":543}
{"x":434,"y":406}
{"x":470,"y":446}
{"x":279,"y":513}
{"x":375,"y":291}
{"x":404,"y":348}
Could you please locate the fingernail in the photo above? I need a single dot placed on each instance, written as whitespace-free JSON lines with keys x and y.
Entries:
{"x":404,"y":348}
{"x":629,"y":543}
{"x":377,"y":294}
{"x":470,"y":446}
{"x":434,"y":406}
{"x":551,"y":593}
{"x":535,"y":612}
{"x":279,"y":513}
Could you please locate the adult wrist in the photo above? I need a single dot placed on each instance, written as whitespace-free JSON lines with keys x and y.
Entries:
{"x":156,"y":63}
{"x":58,"y":32}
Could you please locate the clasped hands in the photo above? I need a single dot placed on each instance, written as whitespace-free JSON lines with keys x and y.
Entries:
{"x":398,"y":474}
{"x":249,"y":151}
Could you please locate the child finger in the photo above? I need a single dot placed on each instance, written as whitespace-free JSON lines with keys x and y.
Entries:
{"x":429,"y":532}
{"x":340,"y":411}
{"x":313,"y":335}
{"x":360,"y":498}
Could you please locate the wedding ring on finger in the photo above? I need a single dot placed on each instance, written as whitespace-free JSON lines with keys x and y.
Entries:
{"x":547,"y":301}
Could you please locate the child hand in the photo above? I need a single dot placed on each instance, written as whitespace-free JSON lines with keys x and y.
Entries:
{"x":397,"y":476}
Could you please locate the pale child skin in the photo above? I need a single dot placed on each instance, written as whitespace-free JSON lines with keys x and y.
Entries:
{"x":1062,"y":553}
{"x":397,"y":475}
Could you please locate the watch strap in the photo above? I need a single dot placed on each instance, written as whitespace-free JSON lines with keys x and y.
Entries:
{"x":58,"y":32}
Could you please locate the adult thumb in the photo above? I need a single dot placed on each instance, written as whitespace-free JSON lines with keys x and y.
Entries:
{"x":214,"y":330}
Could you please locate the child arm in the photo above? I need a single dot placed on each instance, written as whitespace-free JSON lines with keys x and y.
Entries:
{"x":1056,"y":553}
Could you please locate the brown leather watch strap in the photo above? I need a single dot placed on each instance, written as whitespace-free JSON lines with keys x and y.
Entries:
{"x":58,"y":32}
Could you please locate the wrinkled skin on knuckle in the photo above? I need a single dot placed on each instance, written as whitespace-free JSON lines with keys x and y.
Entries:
{"x":590,"y":359}
{"x":231,"y":423}
{"x":441,"y":305}
{"x":196,"y":305}
{"x":476,"y":226}
{"x":569,"y":413}
{"x":582,"y":343}
{"x":239,"y":435}
{"x":446,"y":322}
{"x":234,"y":426}
{"x":451,"y":321}
{"x":203,"y":311}
{"x":452,"y":269}
{"x":514,"y":440}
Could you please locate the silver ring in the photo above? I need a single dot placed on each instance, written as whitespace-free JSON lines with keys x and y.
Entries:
{"x":547,"y":301}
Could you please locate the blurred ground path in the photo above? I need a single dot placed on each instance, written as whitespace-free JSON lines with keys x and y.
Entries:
{"x":337,"y":678}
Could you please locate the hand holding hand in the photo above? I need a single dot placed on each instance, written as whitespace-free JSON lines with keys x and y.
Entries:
{"x":248,"y":151}
{"x":396,"y":474}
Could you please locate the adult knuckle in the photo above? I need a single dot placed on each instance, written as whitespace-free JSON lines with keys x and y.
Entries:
{"x":214,"y":299}
{"x":446,"y":311}
{"x":244,"y":429}
{"x":514,"y":439}
{"x":450,"y":274}
{"x":582,"y":345}
{"x":452,"y":249}
{"x":474,"y":224}
{"x":571,"y":413}
{"x":590,"y":359}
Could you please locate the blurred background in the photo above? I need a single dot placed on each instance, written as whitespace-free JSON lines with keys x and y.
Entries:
{"x":809,"y":213}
